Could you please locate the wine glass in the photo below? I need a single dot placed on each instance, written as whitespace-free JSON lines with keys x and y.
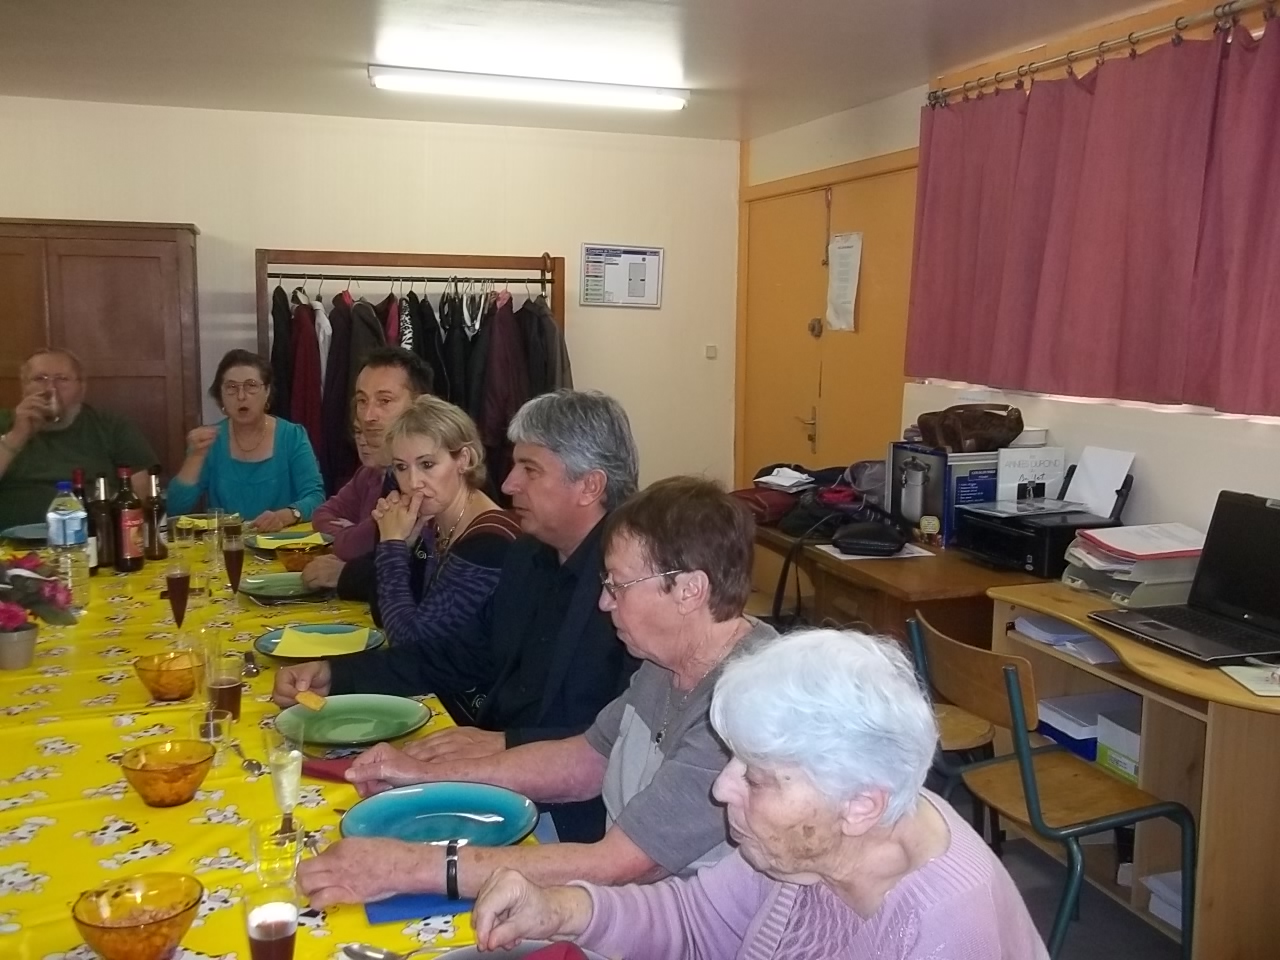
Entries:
{"x":177,"y":581}
{"x":232,"y":532}
{"x":284,"y":760}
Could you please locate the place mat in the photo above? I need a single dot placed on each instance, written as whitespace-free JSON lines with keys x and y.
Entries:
{"x":334,"y":769}
{"x":414,"y":906}
{"x":305,"y":643}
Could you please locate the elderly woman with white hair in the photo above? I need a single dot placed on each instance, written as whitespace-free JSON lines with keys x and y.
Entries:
{"x":841,"y":850}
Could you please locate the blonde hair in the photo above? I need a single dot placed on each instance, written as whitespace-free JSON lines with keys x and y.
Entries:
{"x":446,"y":424}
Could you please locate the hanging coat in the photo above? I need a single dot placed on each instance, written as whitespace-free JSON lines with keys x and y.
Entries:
{"x":506,"y":386}
{"x":478,"y":359}
{"x":431,"y":347}
{"x":281,"y":352}
{"x":304,"y":400}
{"x":367,"y":334}
{"x":456,"y":347}
{"x":539,"y":372}
{"x":341,"y":459}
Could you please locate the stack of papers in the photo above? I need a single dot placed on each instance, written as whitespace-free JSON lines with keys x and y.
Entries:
{"x":1154,"y":553}
{"x":786,"y":480}
{"x":1065,"y":638}
{"x":1166,"y":897}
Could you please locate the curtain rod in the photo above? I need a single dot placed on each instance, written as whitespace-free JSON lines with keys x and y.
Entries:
{"x":398,"y":278}
{"x":1220,"y":14}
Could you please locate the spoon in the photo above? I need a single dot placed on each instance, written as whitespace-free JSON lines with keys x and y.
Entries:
{"x":367,"y":951}
{"x":251,"y":668}
{"x":251,"y":767}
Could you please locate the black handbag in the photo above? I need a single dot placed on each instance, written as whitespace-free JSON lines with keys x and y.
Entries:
{"x":869,"y":540}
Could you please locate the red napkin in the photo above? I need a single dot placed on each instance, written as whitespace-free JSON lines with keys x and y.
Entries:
{"x":558,"y":951}
{"x":327,"y":769}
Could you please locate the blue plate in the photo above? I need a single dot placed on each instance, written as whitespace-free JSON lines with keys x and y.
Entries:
{"x":475,"y":813}
{"x":267,"y":642}
{"x":33,"y":533}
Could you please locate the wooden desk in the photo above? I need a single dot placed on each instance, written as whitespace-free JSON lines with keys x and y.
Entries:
{"x":948,"y":588}
{"x":1206,"y":742}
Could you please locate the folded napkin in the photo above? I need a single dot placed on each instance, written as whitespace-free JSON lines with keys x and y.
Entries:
{"x":558,"y":951}
{"x":299,"y":643}
{"x":267,"y":541}
{"x":414,"y":906}
{"x":334,"y":770}
{"x":195,"y":523}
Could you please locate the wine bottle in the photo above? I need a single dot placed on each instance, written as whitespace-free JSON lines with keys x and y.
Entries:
{"x":128,"y":520}
{"x":77,"y":488}
{"x":156,"y":520}
{"x":100,"y":520}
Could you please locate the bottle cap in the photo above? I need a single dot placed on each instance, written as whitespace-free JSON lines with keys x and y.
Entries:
{"x":64,"y":486}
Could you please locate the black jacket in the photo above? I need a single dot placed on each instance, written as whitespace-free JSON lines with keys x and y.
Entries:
{"x":588,"y":666}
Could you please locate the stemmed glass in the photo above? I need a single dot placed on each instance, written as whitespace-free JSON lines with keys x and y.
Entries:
{"x":177,"y":581}
{"x":284,"y":760}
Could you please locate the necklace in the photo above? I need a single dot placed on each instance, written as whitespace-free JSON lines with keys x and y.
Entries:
{"x":262,"y":435}
{"x":443,"y":543}
{"x":668,"y":713}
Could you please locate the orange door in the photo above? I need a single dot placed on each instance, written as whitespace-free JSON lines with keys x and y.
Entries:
{"x":785,"y":291}
{"x":860,"y":407}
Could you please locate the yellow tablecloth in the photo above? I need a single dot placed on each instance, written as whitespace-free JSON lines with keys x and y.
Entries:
{"x":69,"y":821}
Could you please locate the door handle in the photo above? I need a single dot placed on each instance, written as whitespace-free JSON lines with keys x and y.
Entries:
{"x":812,"y":432}
{"x":808,"y":423}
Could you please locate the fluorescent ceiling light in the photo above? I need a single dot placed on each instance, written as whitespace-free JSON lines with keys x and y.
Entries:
{"x":527,"y":89}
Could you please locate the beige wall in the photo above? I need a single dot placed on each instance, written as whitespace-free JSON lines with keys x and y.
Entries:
{"x":268,"y":180}
{"x":1183,"y":459}
{"x":882,"y":126}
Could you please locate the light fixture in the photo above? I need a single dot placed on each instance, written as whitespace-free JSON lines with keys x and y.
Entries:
{"x":447,"y":83}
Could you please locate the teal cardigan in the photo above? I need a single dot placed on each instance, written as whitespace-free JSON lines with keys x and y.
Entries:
{"x":290,"y":477}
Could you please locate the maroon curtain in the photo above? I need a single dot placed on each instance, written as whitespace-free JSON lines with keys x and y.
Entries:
{"x":1122,"y":253}
{"x":1234,"y":362}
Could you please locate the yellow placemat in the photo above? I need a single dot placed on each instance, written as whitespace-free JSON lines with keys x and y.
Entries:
{"x":267,"y":542}
{"x":299,"y":643}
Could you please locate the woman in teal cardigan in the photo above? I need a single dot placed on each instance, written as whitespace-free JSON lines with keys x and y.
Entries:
{"x":253,"y":464}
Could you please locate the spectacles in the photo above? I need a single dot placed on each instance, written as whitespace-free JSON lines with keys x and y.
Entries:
{"x":613,"y":589}
{"x":250,"y":387}
{"x":58,"y":381}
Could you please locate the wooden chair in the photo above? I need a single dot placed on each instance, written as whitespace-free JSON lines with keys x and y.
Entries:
{"x":1046,"y":789}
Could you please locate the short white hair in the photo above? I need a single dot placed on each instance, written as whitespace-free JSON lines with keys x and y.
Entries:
{"x":844,"y":707}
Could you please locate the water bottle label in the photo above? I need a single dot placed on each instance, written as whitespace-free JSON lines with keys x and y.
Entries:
{"x":67,"y":531}
{"x":93,"y":552}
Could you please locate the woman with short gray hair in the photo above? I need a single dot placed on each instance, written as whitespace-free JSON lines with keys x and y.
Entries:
{"x":587,"y":430}
{"x":841,"y":850}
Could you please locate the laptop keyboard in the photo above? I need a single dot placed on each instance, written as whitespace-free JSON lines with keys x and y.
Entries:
{"x":1242,"y":638}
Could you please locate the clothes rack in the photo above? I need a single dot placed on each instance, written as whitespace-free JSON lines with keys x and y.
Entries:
{"x":270,"y":265}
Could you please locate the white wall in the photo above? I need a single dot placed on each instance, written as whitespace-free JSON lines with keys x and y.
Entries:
{"x":252,"y":180}
{"x":883,"y":126}
{"x":1183,"y":459}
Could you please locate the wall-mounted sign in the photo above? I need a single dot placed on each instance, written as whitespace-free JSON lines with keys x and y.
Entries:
{"x":617,"y":276}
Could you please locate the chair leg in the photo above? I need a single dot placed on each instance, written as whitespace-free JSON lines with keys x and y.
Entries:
{"x":1188,"y":827}
{"x":997,"y":835}
{"x":1070,"y":895}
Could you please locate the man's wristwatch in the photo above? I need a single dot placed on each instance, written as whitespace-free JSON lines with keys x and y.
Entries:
{"x":296,"y":514}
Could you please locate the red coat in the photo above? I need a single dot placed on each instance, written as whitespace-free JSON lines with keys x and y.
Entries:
{"x":304,"y":399}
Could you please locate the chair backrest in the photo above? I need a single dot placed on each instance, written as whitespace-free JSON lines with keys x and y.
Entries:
{"x":970,"y":678}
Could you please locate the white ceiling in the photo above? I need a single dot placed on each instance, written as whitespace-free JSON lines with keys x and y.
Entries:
{"x":755,"y":66}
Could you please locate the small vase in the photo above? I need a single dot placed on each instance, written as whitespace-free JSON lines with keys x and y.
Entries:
{"x":18,"y":647}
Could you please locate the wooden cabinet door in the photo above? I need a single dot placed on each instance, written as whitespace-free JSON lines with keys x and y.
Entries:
{"x":860,"y":409}
{"x":786,"y":288}
{"x":23,"y":320}
{"x":116,"y":304}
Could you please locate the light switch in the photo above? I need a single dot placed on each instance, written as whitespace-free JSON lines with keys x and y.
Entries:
{"x":711,"y":351}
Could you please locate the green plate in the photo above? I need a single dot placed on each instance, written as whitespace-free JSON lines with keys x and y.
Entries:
{"x":251,"y":541}
{"x":354,"y":719}
{"x":278,"y":587}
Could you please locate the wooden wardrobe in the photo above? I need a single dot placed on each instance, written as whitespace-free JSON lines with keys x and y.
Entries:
{"x":122,"y":297}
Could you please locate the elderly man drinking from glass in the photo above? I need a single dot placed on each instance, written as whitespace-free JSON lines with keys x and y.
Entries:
{"x":841,"y":851}
{"x":677,"y":575}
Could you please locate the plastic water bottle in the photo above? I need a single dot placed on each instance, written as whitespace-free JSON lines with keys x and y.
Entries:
{"x":68,"y":533}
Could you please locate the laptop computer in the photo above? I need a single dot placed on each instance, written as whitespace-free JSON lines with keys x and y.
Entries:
{"x":1233,"y":611}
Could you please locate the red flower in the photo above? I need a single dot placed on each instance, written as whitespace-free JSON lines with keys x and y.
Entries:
{"x":12,"y":617}
{"x":31,"y":562}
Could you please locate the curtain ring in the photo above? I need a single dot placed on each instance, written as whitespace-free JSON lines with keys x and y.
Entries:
{"x":1133,"y":47}
{"x":1101,"y":54}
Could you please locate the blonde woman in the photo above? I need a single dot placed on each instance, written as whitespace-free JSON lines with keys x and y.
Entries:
{"x":442,"y":541}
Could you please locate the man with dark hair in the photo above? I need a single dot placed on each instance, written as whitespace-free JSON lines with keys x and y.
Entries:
{"x":388,"y":383}
{"x":52,"y":431}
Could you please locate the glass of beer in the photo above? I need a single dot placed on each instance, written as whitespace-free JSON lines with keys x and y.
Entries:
{"x":224,"y":676}
{"x":271,"y":920}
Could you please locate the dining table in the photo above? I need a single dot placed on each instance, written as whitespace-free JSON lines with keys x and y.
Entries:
{"x":69,"y":821}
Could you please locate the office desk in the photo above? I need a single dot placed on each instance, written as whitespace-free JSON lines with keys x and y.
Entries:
{"x":948,"y":588}
{"x":1206,"y":742}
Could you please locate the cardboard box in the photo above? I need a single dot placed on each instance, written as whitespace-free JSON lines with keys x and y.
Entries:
{"x":1073,"y":721}
{"x":924,"y":485}
{"x":1120,"y":741}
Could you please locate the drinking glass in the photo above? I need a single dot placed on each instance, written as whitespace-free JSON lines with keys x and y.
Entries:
{"x":271,"y":920}
{"x":284,"y":760}
{"x":276,"y":851}
{"x":232,"y":533}
{"x":177,"y":581}
{"x":213,"y":543}
{"x":224,"y":674}
{"x":213,"y":726}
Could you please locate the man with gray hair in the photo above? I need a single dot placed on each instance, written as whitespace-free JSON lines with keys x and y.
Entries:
{"x":544,"y":656}
{"x":52,"y":431}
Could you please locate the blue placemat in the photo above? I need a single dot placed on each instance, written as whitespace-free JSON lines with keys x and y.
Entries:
{"x":414,"y":906}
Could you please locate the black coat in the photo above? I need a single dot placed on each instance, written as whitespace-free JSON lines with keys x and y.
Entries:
{"x":588,"y":667}
{"x":281,"y":352}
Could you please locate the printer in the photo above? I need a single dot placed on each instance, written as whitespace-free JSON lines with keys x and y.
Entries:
{"x":1030,"y":535}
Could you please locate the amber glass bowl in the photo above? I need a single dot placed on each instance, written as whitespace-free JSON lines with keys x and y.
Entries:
{"x":169,"y":676}
{"x":295,"y":558}
{"x":168,"y":772}
{"x":143,"y":917}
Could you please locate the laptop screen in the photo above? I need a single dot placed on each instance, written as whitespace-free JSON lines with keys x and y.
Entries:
{"x":1240,"y":567}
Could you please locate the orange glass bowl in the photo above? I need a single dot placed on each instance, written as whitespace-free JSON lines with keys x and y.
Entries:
{"x":143,"y":917}
{"x":167,"y":773}
{"x":169,"y":676}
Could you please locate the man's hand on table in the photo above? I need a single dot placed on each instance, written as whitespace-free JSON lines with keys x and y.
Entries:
{"x":363,"y":869}
{"x":457,"y":743}
{"x":322,"y":573}
{"x":290,"y":681}
{"x":382,"y":767}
